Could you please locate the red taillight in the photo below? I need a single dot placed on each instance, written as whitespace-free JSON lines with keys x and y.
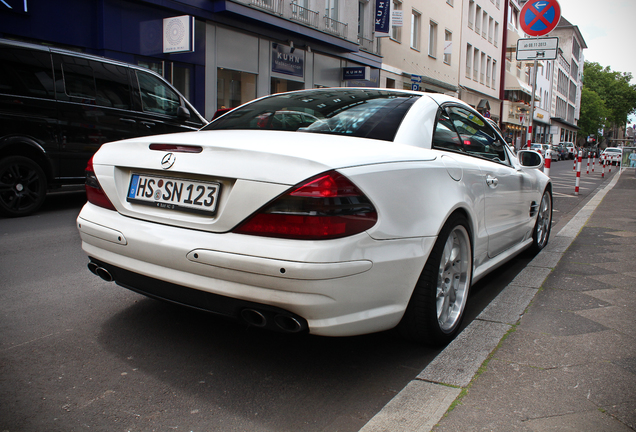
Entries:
{"x":94,"y":192}
{"x":325,"y":207}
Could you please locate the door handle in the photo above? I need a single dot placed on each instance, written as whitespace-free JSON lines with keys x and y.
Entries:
{"x":147,"y":124}
{"x":492,"y":181}
{"x":127,"y":120}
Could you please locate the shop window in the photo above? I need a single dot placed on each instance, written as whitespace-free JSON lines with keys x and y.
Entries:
{"x":153,"y":66}
{"x":181,"y":80}
{"x":234,"y":88}
{"x":156,"y":96}
{"x":282,"y":85}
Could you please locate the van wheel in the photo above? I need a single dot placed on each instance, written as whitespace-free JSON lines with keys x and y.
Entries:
{"x":22,"y":186}
{"x":436,"y":308}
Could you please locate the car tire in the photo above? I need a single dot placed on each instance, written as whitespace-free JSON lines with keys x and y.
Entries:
{"x":543,"y":225}
{"x":436,"y":308}
{"x":22,"y":186}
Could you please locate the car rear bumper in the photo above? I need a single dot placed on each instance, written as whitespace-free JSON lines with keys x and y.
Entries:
{"x":342,"y":287}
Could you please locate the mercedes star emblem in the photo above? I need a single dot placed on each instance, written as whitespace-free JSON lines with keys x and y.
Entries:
{"x":168,"y":160}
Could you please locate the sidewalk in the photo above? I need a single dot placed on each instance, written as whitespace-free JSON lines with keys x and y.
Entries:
{"x":555,"y":351}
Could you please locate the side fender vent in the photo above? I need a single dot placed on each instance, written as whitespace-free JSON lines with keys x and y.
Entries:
{"x":534,"y":208}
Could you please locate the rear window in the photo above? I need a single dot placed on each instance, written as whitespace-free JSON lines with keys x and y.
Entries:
{"x":373,"y":114}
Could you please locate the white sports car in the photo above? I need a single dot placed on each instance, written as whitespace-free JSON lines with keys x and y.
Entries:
{"x":331,"y":211}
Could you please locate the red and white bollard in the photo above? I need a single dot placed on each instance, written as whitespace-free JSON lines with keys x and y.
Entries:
{"x":609,"y":165}
{"x":588,"y":164}
{"x":548,"y":162}
{"x":574,"y":166}
{"x":593,"y":161}
{"x":578,"y":173}
{"x":602,"y":162}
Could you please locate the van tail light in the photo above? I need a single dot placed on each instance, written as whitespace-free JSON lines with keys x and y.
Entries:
{"x":324,"y":207}
{"x":94,"y":192}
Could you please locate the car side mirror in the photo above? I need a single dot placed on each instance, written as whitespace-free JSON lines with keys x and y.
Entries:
{"x":529,"y":159}
{"x":183,"y":113}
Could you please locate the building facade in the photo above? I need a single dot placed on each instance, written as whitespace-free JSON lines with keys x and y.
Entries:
{"x":423,"y":51}
{"x":480,"y":55}
{"x":567,"y":82}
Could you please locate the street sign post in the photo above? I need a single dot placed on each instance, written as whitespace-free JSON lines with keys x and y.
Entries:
{"x":537,"y":49}
{"x":540,"y":17}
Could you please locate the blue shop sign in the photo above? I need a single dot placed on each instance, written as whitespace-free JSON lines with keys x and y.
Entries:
{"x":356,"y":73}
{"x":288,"y":60}
{"x":383,"y":16}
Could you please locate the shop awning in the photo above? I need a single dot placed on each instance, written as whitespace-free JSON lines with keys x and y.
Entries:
{"x":514,"y":83}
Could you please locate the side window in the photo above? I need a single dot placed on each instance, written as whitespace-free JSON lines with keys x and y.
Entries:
{"x":479,"y":138}
{"x":445,"y":136}
{"x":95,"y":82}
{"x":156,"y":96}
{"x":25,"y":72}
{"x":79,"y":81}
{"x":112,"y":87}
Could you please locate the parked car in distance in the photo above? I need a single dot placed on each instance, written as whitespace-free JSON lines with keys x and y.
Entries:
{"x":560,"y":151}
{"x":538,"y":148}
{"x":58,"y":107}
{"x":612,"y":154}
{"x":570,"y":148}
{"x":379,"y":214}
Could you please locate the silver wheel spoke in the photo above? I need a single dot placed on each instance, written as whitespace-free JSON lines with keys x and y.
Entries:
{"x":453,"y":278}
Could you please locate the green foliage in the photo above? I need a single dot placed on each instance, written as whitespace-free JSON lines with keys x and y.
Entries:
{"x":618,"y":97}
{"x":593,"y":112}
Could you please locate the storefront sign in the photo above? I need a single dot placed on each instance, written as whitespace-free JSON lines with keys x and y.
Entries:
{"x":356,"y":73}
{"x":178,"y":34}
{"x":287,"y":60}
{"x":383,"y":18}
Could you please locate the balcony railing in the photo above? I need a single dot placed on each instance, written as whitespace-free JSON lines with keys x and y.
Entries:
{"x":274,"y":6}
{"x":336,"y":27}
{"x":304,"y":15}
{"x":293,"y":11}
{"x":365,"y":44}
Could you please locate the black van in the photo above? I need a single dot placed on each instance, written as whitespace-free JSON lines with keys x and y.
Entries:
{"x":57,"y":107}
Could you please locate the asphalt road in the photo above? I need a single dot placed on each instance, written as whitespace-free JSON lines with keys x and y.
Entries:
{"x":77,"y":353}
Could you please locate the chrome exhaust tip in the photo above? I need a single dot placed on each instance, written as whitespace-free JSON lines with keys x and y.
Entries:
{"x":288,"y":324}
{"x":100,"y":271}
{"x":93,"y":267}
{"x":104,"y":274}
{"x":254,"y":317}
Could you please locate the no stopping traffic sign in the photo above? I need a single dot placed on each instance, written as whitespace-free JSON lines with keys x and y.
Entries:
{"x":540,"y":17}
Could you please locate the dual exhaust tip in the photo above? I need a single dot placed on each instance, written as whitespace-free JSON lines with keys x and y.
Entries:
{"x":279,"y":321}
{"x":276,"y":321}
{"x":100,"y":271}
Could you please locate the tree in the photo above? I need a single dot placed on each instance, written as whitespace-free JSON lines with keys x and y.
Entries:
{"x":593,"y":112}
{"x":614,"y":90}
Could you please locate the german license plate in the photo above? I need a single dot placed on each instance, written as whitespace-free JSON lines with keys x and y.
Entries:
{"x":174,"y":193}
